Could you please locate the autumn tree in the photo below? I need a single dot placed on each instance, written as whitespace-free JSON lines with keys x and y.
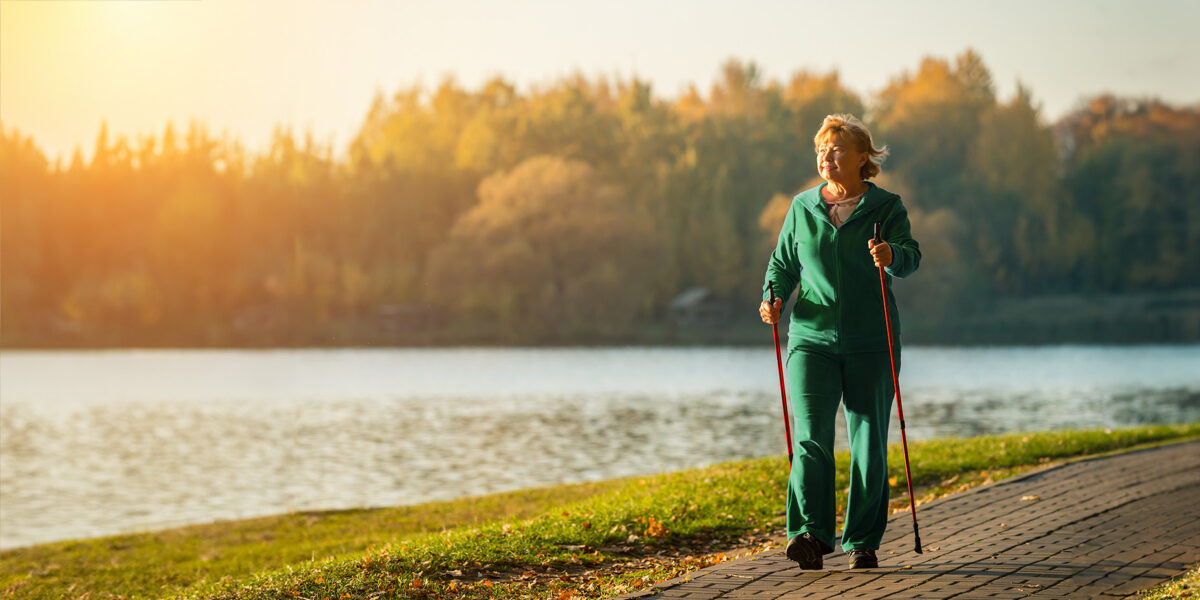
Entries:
{"x":930,"y":119}
{"x":550,"y":250}
{"x":1130,"y":169}
{"x":576,"y":206}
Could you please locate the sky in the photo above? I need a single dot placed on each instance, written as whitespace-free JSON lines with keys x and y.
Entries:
{"x":243,"y":67}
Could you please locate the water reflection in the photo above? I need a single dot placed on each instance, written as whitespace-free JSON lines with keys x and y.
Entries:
{"x":936,"y":414}
{"x":115,"y":465}
{"x":103,"y":471}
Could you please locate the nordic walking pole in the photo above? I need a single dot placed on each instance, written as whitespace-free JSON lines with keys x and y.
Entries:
{"x":887,"y":319}
{"x":787,"y":427}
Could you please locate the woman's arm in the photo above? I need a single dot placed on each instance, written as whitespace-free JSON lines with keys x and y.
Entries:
{"x":783,"y":269}
{"x":906,"y":252}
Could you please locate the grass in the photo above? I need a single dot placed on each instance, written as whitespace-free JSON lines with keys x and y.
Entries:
{"x":1184,"y":586}
{"x":586,"y":540}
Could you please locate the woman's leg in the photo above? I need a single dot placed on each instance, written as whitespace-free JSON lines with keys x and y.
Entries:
{"x":815,"y":388}
{"x":868,"y":402}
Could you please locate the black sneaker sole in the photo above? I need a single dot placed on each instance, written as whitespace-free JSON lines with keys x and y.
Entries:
{"x":864,"y":562}
{"x":806,"y":552}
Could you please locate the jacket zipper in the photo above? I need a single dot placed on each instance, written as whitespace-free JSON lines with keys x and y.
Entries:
{"x":837,"y":259}
{"x":837,"y":308}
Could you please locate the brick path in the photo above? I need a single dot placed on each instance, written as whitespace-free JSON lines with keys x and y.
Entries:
{"x":1100,"y":528}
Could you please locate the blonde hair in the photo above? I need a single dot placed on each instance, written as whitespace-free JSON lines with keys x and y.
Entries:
{"x":852,"y":129}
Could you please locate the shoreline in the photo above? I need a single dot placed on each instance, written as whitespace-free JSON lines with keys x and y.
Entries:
{"x":1134,"y":318}
{"x":578,"y":528}
{"x":575,"y":346}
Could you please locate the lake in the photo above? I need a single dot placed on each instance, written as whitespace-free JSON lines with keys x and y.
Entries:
{"x":102,"y":442}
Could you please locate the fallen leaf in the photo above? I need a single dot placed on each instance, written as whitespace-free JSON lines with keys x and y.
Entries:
{"x":655,"y":528}
{"x":1030,"y":498}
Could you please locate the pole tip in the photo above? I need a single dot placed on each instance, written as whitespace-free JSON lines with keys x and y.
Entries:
{"x":917,"y":547}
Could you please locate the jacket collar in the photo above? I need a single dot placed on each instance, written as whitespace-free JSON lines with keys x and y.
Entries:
{"x":872,"y":198}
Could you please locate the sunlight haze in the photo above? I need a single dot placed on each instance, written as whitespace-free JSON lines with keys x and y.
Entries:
{"x":243,"y":68}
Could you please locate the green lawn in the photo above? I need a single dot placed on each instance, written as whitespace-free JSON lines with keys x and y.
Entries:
{"x":590,"y":540}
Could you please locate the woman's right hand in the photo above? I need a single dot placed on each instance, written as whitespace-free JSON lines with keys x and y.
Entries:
{"x":770,"y":312}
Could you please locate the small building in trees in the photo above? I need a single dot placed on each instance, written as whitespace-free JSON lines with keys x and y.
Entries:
{"x":698,"y":306}
{"x":409,"y":322}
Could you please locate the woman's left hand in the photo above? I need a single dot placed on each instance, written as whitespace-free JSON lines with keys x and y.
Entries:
{"x":881,"y":253}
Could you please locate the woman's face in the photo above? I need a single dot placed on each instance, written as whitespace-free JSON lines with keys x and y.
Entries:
{"x":838,"y":160}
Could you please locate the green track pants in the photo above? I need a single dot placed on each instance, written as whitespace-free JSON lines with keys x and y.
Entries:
{"x":817,"y":382}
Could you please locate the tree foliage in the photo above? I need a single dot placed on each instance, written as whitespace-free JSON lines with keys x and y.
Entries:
{"x":551,"y":249}
{"x":577,"y":210}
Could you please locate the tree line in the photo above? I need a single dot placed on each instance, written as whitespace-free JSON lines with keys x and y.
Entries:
{"x":576,"y":211}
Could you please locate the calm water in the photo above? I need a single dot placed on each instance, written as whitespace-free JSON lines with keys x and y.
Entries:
{"x":95,"y":443}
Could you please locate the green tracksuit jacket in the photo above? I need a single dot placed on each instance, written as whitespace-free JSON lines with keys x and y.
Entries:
{"x":838,"y":306}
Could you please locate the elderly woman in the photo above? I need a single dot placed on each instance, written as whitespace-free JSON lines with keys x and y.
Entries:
{"x":837,"y":341}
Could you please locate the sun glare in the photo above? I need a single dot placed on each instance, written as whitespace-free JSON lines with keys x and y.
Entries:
{"x":133,"y":14}
{"x":120,"y":60}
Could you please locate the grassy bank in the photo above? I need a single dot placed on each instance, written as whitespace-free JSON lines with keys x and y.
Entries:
{"x":589,"y":540}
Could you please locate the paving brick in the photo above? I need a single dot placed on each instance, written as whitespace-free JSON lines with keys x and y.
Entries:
{"x":1102,"y":528}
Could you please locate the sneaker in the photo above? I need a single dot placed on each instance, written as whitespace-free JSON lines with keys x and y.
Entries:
{"x":863,"y":559}
{"x":806,"y":551}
